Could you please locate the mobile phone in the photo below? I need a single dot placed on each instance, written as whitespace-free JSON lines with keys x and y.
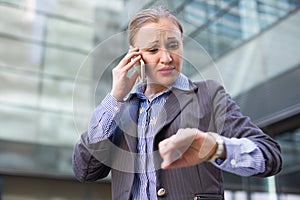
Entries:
{"x":143,"y":74}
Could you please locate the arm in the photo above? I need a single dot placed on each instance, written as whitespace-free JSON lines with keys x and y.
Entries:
{"x":91,"y":146}
{"x":190,"y":146}
{"x":85,"y":166}
{"x":94,"y":153}
{"x":249,"y":151}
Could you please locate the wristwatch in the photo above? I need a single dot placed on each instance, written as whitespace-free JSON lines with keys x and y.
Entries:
{"x":220,"y":148}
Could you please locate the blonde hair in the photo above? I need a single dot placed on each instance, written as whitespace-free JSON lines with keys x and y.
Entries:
{"x":153,"y":14}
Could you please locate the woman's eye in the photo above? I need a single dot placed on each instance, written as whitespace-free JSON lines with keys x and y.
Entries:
{"x":153,"y":50}
{"x":173,"y":45}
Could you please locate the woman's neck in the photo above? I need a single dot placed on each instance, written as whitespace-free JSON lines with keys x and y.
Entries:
{"x":153,"y":89}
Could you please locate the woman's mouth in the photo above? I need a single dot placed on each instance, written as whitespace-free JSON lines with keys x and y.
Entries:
{"x":166,"y":70}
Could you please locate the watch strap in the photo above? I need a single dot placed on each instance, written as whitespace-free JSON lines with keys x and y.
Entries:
{"x":220,"y":146}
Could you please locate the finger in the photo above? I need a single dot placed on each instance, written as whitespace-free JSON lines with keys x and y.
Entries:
{"x":167,"y":140}
{"x":133,"y":62}
{"x":171,"y":157}
{"x":185,"y":138}
{"x":169,"y":152}
{"x":128,"y":57}
{"x":133,"y":49}
{"x":178,"y":142}
{"x":166,"y":145}
{"x":175,"y":164}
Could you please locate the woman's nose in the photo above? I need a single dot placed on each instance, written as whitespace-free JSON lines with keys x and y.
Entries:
{"x":165,"y":56}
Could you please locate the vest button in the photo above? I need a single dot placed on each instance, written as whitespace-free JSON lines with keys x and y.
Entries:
{"x":161,"y":192}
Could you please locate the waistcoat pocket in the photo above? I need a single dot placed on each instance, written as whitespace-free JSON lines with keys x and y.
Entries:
{"x":208,"y":197}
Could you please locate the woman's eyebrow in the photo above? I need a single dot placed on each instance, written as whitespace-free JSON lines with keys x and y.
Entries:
{"x":152,"y":43}
{"x":172,"y":38}
{"x":155,"y":42}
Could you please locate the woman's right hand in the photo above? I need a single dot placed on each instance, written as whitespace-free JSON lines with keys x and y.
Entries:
{"x":122,"y":84}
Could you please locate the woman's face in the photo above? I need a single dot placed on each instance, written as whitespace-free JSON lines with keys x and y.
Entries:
{"x":161,"y":48}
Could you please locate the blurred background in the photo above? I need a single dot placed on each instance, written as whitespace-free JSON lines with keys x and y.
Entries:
{"x":55,"y":63}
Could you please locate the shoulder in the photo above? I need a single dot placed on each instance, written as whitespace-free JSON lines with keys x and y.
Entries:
{"x":209,"y":83}
{"x":210,"y":86}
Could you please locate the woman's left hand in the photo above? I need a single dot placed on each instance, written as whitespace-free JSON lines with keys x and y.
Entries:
{"x":187,"y":147}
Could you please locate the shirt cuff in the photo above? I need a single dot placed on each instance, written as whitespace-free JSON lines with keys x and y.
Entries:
{"x":243,"y":157}
{"x":111,"y":104}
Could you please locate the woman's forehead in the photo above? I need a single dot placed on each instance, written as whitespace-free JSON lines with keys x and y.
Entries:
{"x":156,"y":32}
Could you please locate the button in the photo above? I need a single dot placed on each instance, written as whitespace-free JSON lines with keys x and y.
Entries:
{"x":142,"y":110}
{"x":153,"y":120}
{"x":233,"y":162}
{"x":161,"y":192}
{"x":196,"y":198}
{"x":116,"y":108}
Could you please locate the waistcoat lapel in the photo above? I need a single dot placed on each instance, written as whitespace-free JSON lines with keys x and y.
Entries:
{"x":176,"y":102}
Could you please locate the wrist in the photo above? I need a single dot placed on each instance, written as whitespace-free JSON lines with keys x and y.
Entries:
{"x":116,"y":96}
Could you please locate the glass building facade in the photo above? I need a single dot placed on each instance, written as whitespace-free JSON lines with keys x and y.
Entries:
{"x":56,"y":58}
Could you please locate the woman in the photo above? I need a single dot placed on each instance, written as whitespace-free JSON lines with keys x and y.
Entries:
{"x":168,"y":137}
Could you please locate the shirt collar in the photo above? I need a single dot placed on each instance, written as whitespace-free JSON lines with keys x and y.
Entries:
{"x":181,"y":83}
